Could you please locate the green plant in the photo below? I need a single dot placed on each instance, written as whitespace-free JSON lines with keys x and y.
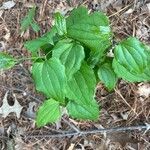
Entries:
{"x":29,"y":21}
{"x":73,"y":58}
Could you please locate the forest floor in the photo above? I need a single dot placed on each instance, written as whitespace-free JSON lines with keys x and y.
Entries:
{"x":128,"y":105}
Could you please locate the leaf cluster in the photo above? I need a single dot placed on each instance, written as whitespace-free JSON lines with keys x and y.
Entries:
{"x":73,"y":59}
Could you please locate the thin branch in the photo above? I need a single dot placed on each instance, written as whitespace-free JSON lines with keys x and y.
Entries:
{"x":82,"y":133}
{"x":71,"y":125}
{"x":116,"y":13}
{"x":118,"y":92}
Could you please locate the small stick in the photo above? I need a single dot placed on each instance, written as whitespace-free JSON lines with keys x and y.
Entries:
{"x":71,"y":125}
{"x":82,"y":133}
{"x":119,"y":11}
{"x":118,"y":92}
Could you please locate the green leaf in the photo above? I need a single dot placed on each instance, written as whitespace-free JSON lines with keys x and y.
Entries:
{"x":60,"y":23}
{"x":147,"y":70}
{"x":70,"y":54}
{"x":90,"y":29}
{"x":80,"y":91}
{"x":82,"y":85}
{"x":107,"y":75}
{"x":35,"y":26}
{"x":50,"y":78}
{"x":131,"y":54}
{"x":29,"y":20}
{"x":49,"y":112}
{"x":6,"y":61}
{"x":36,"y":44}
{"x":125,"y":74}
{"x":83,"y":112}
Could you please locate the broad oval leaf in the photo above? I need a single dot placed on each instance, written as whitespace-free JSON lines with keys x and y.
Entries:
{"x":60,"y":23}
{"x":70,"y":54}
{"x":6,"y":61}
{"x":107,"y":75}
{"x":37,"y":77}
{"x":125,"y":74}
{"x":36,"y":44}
{"x":81,"y":87}
{"x":131,"y":54}
{"x":83,"y":112}
{"x":50,"y":78}
{"x":90,"y":29}
{"x":49,"y":112}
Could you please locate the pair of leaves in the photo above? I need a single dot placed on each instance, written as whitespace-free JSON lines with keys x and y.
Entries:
{"x":131,"y":62}
{"x":29,"y":21}
{"x":66,"y":75}
{"x":90,"y":29}
{"x":36,"y":44}
{"x":49,"y":37}
{"x":80,"y":91}
{"x":70,"y":54}
{"x":131,"y":54}
{"x":49,"y":77}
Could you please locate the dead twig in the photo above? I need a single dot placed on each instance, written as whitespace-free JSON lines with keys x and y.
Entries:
{"x":83,"y":133}
{"x":71,"y":125}
{"x":134,"y":111}
{"x":116,"y":13}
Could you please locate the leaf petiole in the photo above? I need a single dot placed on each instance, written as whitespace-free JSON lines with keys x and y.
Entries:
{"x":30,"y":58}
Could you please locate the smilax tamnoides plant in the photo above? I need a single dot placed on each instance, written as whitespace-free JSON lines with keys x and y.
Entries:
{"x":74,"y":57}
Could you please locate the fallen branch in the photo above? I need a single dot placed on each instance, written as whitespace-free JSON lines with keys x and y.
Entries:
{"x":82,"y":133}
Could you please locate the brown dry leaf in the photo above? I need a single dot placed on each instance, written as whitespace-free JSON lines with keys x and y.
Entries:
{"x":30,"y":111}
{"x":124,"y":115}
{"x":144,"y":90}
{"x":6,"y":109}
{"x":2,"y":45}
{"x":63,"y":8}
{"x":117,"y":5}
{"x":122,"y":138}
{"x":129,"y":11}
{"x":20,"y":144}
{"x":148,"y":6}
{"x":95,"y":4}
{"x":142,"y":31}
{"x":8,"y":5}
{"x":71,"y":147}
{"x":10,"y":144}
{"x":104,"y":145}
{"x":104,"y":4}
{"x":29,"y":5}
{"x":1,"y":13}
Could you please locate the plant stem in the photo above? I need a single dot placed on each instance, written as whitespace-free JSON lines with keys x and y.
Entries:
{"x":29,"y":58}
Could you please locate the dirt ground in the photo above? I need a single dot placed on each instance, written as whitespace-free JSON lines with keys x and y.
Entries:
{"x":128,"y":105}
